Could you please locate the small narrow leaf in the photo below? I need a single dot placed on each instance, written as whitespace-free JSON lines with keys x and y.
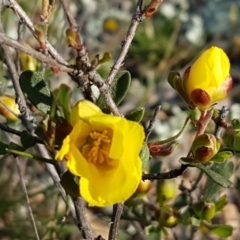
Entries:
{"x":119,"y":89}
{"x":136,"y":114}
{"x":219,"y":229}
{"x":221,"y":203}
{"x":36,"y":90}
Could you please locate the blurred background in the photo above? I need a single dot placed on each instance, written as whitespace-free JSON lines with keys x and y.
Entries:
{"x":170,"y":40}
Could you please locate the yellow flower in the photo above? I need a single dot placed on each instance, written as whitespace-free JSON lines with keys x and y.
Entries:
{"x":104,"y":151}
{"x":208,"y":80}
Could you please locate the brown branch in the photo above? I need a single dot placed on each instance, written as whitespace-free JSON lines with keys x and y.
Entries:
{"x":69,"y":16}
{"x":115,"y":220}
{"x":24,"y":189}
{"x":82,"y":220}
{"x":167,"y":175}
{"x":138,"y":17}
{"x":4,"y":40}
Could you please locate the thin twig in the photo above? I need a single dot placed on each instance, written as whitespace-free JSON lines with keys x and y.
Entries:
{"x":17,"y":8}
{"x":151,"y":122}
{"x":138,"y":17}
{"x":5,"y":40}
{"x":24,"y":189}
{"x":19,"y":38}
{"x":69,"y":16}
{"x":115,"y":220}
{"x":167,"y":175}
{"x":82,"y":220}
{"x":6,"y":128}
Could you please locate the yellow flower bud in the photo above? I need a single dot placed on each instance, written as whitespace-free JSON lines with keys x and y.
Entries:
{"x":9,"y":108}
{"x":208,"y":80}
{"x":169,"y":217}
{"x":205,"y":147}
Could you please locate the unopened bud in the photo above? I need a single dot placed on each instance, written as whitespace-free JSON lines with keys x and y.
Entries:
{"x":168,"y":217}
{"x":205,"y":147}
{"x":204,"y":209}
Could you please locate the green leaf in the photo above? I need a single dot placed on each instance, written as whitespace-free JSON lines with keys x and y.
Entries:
{"x":215,"y":176}
{"x":36,"y":90}
{"x":222,"y":155}
{"x":225,"y":170}
{"x":236,"y":124}
{"x":221,"y":203}
{"x":236,"y":141}
{"x":69,"y":183}
{"x":135,"y":115}
{"x":219,"y":229}
{"x":119,"y":89}
{"x":145,"y":155}
{"x":3,"y":147}
{"x":63,"y":96}
{"x":26,"y":139}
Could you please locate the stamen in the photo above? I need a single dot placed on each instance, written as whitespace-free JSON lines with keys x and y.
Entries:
{"x":96,"y":150}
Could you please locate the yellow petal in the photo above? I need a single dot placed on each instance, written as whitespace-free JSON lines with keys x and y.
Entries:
{"x":84,"y":109}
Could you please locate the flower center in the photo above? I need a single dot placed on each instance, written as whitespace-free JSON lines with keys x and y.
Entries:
{"x":96,"y":150}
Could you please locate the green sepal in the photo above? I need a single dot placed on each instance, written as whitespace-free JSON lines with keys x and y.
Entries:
{"x":136,"y":114}
{"x":236,"y":141}
{"x":222,"y":155}
{"x":176,"y":82}
{"x":27,"y":140}
{"x":173,"y":77}
{"x":70,"y":184}
{"x":220,"y":230}
{"x":63,"y":96}
{"x":185,"y":160}
{"x":236,"y":124}
{"x":119,"y":89}
{"x":216,"y":177}
{"x":221,"y":203}
{"x":225,"y":170}
{"x":145,"y":155}
{"x":3,"y":147}
{"x":36,"y":90}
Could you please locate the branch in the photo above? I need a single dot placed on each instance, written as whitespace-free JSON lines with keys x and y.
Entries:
{"x":4,"y":40}
{"x":115,"y":220}
{"x":27,"y":199}
{"x":82,"y":220}
{"x":24,"y":17}
{"x":69,"y":16}
{"x":167,"y":175}
{"x":138,"y":17}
